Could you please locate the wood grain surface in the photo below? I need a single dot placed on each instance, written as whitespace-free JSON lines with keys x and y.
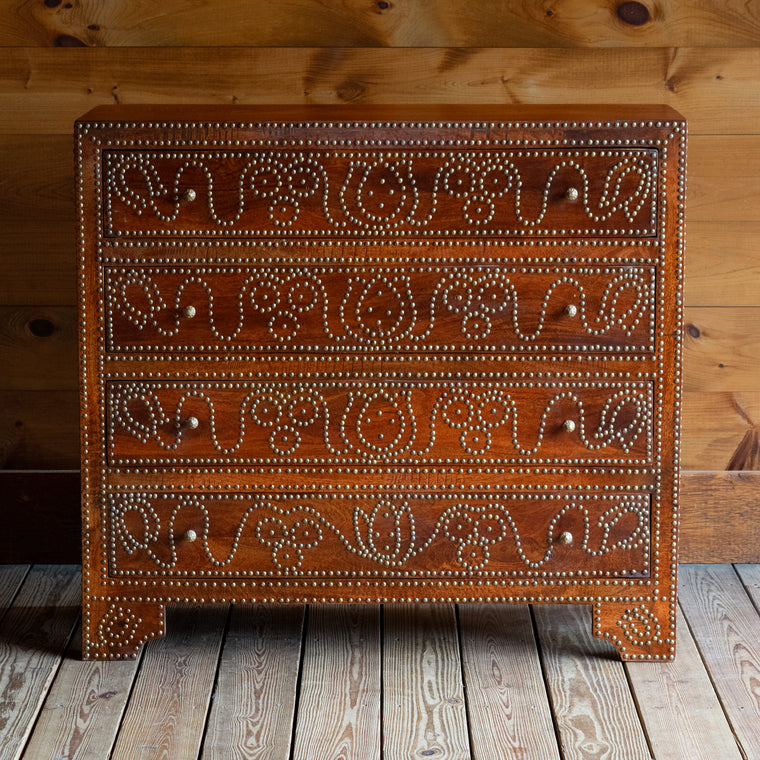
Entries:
{"x":506,"y":696}
{"x":33,"y":635}
{"x":703,"y":58}
{"x":252,"y":713}
{"x":82,"y":714}
{"x":44,"y":90}
{"x":592,"y":704}
{"x":722,"y":265}
{"x":424,"y":23}
{"x":11,"y":578}
{"x":678,"y":706}
{"x":719,"y":517}
{"x":726,"y":625}
{"x":715,"y":424}
{"x":424,"y":711}
{"x":173,"y":688}
{"x":722,"y":349}
{"x":339,"y":710}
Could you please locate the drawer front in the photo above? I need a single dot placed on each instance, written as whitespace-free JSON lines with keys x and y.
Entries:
{"x":366,"y":537}
{"x":385,"y":193}
{"x":365,"y":308}
{"x":379,"y":421}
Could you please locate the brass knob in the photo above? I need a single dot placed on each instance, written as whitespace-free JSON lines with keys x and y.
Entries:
{"x":572,"y":193}
{"x":189,"y":195}
{"x":571,"y":310}
{"x":568,"y":426}
{"x":191,"y":423}
{"x":189,"y":311}
{"x":566,"y":537}
{"x":190,"y":536}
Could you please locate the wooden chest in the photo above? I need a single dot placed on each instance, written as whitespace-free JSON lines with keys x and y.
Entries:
{"x":380,"y":355}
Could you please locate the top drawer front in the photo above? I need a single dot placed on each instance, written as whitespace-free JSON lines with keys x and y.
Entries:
{"x":381,"y":194}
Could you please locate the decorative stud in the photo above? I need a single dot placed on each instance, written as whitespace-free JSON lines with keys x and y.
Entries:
{"x":572,"y":194}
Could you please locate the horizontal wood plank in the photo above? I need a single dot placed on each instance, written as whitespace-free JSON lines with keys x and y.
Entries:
{"x":44,"y":91}
{"x":39,"y":429}
{"x":720,"y":521}
{"x":722,"y":264}
{"x":31,"y":499}
{"x":582,"y":23}
{"x":33,"y":636}
{"x":678,"y":705}
{"x":38,"y":348}
{"x":715,"y":430}
{"x":722,"y":349}
{"x":724,"y":176}
{"x":725,"y":625}
{"x":719,"y":517}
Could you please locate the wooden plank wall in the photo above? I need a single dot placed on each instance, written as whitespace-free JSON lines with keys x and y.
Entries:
{"x":58,"y":58}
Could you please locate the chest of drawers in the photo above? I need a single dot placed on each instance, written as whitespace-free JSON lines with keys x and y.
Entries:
{"x":380,"y":355}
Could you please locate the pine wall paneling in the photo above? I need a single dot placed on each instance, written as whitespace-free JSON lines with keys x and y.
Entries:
{"x":58,"y":59}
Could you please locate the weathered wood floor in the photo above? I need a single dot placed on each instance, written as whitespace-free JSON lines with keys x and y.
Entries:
{"x":399,"y":682}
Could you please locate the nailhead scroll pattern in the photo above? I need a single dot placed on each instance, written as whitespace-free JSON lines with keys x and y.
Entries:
{"x":381,"y":309}
{"x":388,"y":193}
{"x":382,"y":421}
{"x":467,"y":535}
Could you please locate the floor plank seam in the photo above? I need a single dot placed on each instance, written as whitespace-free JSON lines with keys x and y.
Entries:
{"x":12,"y":600}
{"x":53,"y":676}
{"x":127,"y":701}
{"x":299,"y":679}
{"x":639,"y":711}
{"x":465,"y":688}
{"x":755,"y":604}
{"x":712,"y":683}
{"x":381,"y":750}
{"x":540,"y":652}
{"x":215,"y":684}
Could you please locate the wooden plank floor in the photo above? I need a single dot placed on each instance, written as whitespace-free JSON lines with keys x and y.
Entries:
{"x":473,"y":682}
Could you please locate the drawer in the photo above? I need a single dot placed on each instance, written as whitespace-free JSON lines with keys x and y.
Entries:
{"x":369,"y":308}
{"x":385,"y":193}
{"x":358,"y":539}
{"x":379,"y":420}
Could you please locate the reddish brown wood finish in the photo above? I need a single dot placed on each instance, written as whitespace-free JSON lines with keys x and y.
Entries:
{"x":343,"y":355}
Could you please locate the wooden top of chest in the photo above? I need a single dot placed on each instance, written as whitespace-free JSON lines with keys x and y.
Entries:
{"x":445,"y":113}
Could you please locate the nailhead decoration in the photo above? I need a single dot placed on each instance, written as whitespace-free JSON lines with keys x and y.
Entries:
{"x":348,"y":361}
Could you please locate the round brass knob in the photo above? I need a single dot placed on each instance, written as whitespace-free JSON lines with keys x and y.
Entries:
{"x":191,"y":423}
{"x":189,"y":195}
{"x":568,"y":426}
{"x":189,"y":311}
{"x":190,"y":536}
{"x":572,"y":193}
{"x":566,"y":537}
{"x":571,"y":310}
